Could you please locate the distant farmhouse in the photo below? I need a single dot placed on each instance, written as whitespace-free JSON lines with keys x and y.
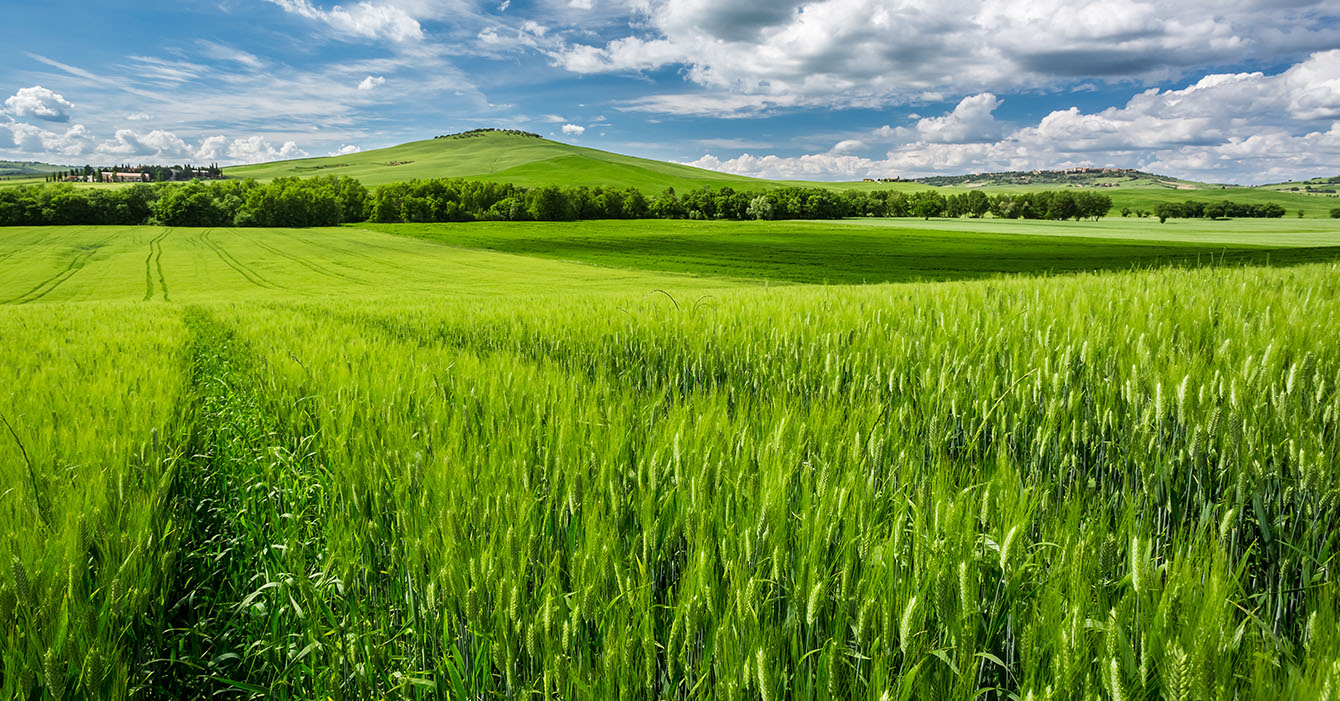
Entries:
{"x":118,"y":177}
{"x":137,"y":174}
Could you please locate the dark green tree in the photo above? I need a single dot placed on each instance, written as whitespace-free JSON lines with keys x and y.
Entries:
{"x":927,"y":204}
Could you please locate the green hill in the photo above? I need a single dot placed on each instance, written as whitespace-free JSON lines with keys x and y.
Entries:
{"x":1122,"y":178}
{"x":28,"y":169}
{"x":1312,"y":185}
{"x":513,"y":157}
{"x":1323,"y":190}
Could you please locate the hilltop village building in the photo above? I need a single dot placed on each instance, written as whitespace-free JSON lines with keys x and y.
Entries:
{"x":108,"y":177}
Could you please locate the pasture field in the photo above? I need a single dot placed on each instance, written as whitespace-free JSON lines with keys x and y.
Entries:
{"x":344,"y":463}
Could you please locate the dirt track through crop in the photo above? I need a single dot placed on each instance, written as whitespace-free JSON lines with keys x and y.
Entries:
{"x":152,"y":262}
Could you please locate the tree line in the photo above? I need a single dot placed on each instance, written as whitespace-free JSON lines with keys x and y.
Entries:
{"x":331,"y":200}
{"x":462,"y":200}
{"x":284,"y":202}
{"x":1220,"y":209}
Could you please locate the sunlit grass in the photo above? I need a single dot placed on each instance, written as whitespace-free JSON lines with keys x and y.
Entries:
{"x":641,"y":485}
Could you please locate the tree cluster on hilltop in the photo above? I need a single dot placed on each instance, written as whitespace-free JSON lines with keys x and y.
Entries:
{"x":488,"y":130}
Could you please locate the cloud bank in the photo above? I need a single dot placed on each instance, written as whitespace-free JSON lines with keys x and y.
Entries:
{"x":1220,"y":127}
{"x":861,"y":52}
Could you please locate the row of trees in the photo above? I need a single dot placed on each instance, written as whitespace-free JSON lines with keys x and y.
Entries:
{"x":330,"y":200}
{"x":1055,"y":205}
{"x":288,"y":202}
{"x":1221,"y":209}
{"x":459,"y":200}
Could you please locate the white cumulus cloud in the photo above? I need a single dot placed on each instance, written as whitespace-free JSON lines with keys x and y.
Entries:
{"x":849,"y":146}
{"x":573,"y":130}
{"x":256,"y":149}
{"x":157,"y":144}
{"x":971,"y":121}
{"x":30,"y":139}
{"x":39,"y":103}
{"x":366,"y":20}
{"x":371,"y":82}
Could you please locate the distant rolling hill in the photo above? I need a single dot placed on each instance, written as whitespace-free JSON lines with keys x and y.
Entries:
{"x":28,"y":169}
{"x":502,"y":157}
{"x":1077,"y":177}
{"x":1316,"y":186}
{"x":529,"y":160}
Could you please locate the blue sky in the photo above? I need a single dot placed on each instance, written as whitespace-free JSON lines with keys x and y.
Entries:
{"x":1220,"y":90}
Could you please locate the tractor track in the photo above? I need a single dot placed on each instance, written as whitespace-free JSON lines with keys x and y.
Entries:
{"x":45,"y":287}
{"x":314,"y":267}
{"x":359,"y":255}
{"x":155,"y":261}
{"x":251,"y":276}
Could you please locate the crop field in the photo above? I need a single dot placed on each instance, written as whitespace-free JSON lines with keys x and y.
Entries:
{"x":1271,"y":233}
{"x":858,"y":251}
{"x":478,"y":461}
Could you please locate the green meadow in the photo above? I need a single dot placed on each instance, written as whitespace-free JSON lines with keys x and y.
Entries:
{"x":644,"y":460}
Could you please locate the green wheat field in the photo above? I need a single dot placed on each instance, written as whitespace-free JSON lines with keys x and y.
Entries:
{"x":645,"y":460}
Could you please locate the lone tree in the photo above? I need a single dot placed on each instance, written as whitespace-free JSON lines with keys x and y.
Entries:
{"x":1165,"y":210}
